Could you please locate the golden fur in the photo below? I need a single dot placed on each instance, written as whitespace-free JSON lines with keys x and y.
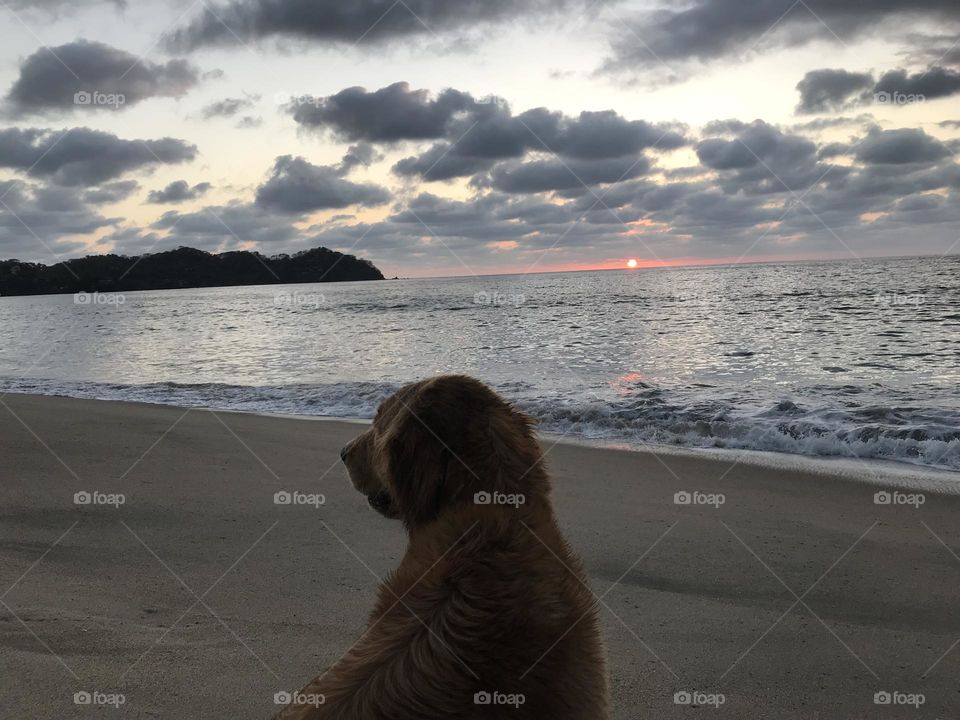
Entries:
{"x":489,"y":598}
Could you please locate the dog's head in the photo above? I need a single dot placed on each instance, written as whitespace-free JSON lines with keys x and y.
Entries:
{"x":443,"y":443}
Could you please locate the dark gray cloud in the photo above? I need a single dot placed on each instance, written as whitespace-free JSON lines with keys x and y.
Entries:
{"x":595,"y":135}
{"x":229,"y":107}
{"x":876,"y":187}
{"x":834,"y":149}
{"x":474,"y":129}
{"x":898,"y":147}
{"x":440,"y":162}
{"x":360,"y":155}
{"x":473,"y":134}
{"x":339,"y":22}
{"x":925,"y":49}
{"x":760,"y":158}
{"x":752,"y":144}
{"x":81,"y":156}
{"x":576,"y":175}
{"x":225,"y":226}
{"x":865,"y":120}
{"x":704,"y":30}
{"x":297,"y":186}
{"x":177,"y":191}
{"x":84,"y":75}
{"x":389,"y":114}
{"x":39,"y":222}
{"x":832,"y":90}
{"x":934,"y":82}
{"x":111,"y":192}
{"x":481,"y":218}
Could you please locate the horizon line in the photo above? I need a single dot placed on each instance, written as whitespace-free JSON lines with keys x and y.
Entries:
{"x":667,"y":265}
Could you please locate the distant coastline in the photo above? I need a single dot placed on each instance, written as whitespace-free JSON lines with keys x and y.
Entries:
{"x":181,"y":268}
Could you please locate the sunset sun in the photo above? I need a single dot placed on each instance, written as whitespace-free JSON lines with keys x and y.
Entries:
{"x":632,"y":263}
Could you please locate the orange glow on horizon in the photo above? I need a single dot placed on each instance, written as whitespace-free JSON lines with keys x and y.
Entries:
{"x":632,"y":263}
{"x":611,"y":264}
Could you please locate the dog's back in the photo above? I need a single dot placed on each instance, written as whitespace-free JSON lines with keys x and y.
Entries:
{"x":502,"y":593}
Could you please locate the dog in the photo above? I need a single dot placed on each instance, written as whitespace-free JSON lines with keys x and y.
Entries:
{"x":489,"y":614}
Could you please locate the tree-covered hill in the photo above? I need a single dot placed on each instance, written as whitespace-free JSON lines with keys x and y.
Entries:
{"x":181,"y":268}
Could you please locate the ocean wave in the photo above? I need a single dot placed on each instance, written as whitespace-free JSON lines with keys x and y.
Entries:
{"x":648,"y":415}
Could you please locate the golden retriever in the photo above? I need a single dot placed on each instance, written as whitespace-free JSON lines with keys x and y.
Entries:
{"x":488,"y":614}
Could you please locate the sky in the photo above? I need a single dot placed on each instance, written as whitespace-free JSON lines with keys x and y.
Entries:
{"x":461,"y":137}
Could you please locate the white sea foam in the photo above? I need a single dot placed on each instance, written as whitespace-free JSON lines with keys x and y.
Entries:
{"x":918,"y":437}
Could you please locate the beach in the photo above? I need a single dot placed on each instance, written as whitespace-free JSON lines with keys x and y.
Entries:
{"x":177,"y":587}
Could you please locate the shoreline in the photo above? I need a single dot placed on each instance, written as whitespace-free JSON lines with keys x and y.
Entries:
{"x":880,"y":473}
{"x":697,"y":595}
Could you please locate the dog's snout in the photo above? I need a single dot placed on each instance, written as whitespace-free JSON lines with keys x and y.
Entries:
{"x":343,"y":452}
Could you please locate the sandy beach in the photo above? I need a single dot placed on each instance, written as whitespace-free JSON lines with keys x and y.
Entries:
{"x":797,"y":596}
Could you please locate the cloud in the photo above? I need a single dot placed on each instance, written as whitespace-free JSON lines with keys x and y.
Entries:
{"x":898,"y":147}
{"x":932,"y":49}
{"x":111,"y":192}
{"x":476,"y":128}
{"x":361,"y":155}
{"x":229,"y":107}
{"x":760,"y":158}
{"x":41,"y":222}
{"x":441,"y":163}
{"x":826,"y":123}
{"x":56,"y":5}
{"x":248,"y":122}
{"x":389,"y":114}
{"x":177,"y":191}
{"x":706,"y":30}
{"x":934,"y":82}
{"x":372,"y":21}
{"x":577,"y":175}
{"x":225,"y":226}
{"x":84,"y":75}
{"x":297,"y":186}
{"x":832,"y":90}
{"x":751,"y":146}
{"x":81,"y":156}
{"x":472,"y":135}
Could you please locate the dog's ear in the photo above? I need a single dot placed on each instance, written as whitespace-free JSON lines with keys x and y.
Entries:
{"x":419,"y":456}
{"x":452,"y":438}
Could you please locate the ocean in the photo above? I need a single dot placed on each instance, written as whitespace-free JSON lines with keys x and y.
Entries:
{"x":851,"y":359}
